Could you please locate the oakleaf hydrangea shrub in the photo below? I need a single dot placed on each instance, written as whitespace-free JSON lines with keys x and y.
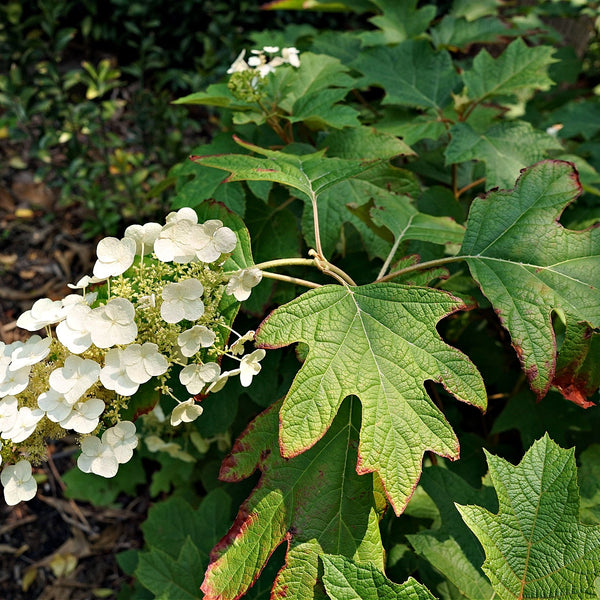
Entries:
{"x":149,"y":315}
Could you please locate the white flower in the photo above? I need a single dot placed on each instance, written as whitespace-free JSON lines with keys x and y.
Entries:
{"x":34,"y":350}
{"x":144,"y":362}
{"x":114,"y":374}
{"x":56,"y":406}
{"x":175,"y":242}
{"x":182,"y":301}
{"x":144,"y":236}
{"x":155,"y":444}
{"x":214,"y":240}
{"x":250,"y":366}
{"x":255,"y":61}
{"x":85,"y":416}
{"x":185,"y":412}
{"x":196,"y":376}
{"x":239,"y":64}
{"x":97,"y":457}
{"x":43,"y":312}
{"x":193,"y":339}
{"x":75,"y":377}
{"x":183,"y":214}
{"x":114,"y":256}
{"x":24,"y":424}
{"x":271,"y":49}
{"x":290,"y":55}
{"x":113,"y":324}
{"x":14,"y":382}
{"x":19,"y":484}
{"x":122,"y":439}
{"x":220,"y":382}
{"x":84,"y":282}
{"x":242,"y":283}
{"x":238,"y":346}
{"x":74,"y":332}
{"x":9,"y":409}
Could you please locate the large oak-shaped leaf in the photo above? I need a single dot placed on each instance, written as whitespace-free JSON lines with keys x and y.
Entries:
{"x":315,"y":501}
{"x":528,"y":265}
{"x":535,"y":546}
{"x":379,"y":343}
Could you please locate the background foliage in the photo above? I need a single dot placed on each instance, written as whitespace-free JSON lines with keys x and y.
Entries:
{"x":444,"y":102}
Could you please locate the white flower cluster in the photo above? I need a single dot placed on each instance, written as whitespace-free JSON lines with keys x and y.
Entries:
{"x":264,"y":61}
{"x":156,"y":317}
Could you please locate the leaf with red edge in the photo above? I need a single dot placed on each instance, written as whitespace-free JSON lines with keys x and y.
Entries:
{"x":378,"y":342}
{"x":528,"y":265}
{"x":577,"y":374}
{"x":315,"y":502}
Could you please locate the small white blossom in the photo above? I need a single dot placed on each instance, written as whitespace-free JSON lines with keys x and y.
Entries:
{"x":74,"y":332}
{"x":214,"y":240}
{"x":241,"y":284}
{"x":142,"y":362}
{"x":75,"y":377}
{"x":14,"y":382}
{"x":155,"y":444}
{"x":250,"y":366}
{"x":271,"y":49}
{"x":220,"y":382}
{"x":85,"y":416}
{"x":290,"y":55}
{"x":114,"y":256}
{"x":185,"y":412}
{"x":19,"y":484}
{"x":176,"y":241}
{"x":183,"y":214}
{"x":144,"y":236}
{"x":34,"y":350}
{"x":114,"y":374}
{"x":182,"y":301}
{"x":43,"y":312}
{"x":9,"y":409}
{"x":55,"y":405}
{"x":193,"y":339}
{"x":237,"y":348}
{"x":84,"y":282}
{"x":122,"y":439}
{"x":239,"y":64}
{"x":196,"y":376}
{"x":113,"y":324}
{"x":97,"y":457}
{"x":24,"y":425}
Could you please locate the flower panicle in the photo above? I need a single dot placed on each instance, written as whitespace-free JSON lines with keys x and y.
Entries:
{"x":153,"y":318}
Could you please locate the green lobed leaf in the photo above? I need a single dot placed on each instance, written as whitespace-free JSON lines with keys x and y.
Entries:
{"x":315,"y":501}
{"x":311,"y":174}
{"x":535,"y":545}
{"x":400,"y":21}
{"x":529,"y":265}
{"x":344,"y":579}
{"x":456,"y":33}
{"x":519,"y":68}
{"x":506,"y":148}
{"x":179,"y":539}
{"x":378,"y":342}
{"x":411,"y":73}
{"x":452,"y":549}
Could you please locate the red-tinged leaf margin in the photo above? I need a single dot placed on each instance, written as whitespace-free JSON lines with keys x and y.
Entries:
{"x":532,"y":371}
{"x":254,"y":459}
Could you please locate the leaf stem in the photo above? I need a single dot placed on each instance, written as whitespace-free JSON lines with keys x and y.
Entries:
{"x":469,"y":186}
{"x":284,"y":262}
{"x":313,"y":200}
{"x":389,"y":258}
{"x":288,"y":279}
{"x":419,"y":266}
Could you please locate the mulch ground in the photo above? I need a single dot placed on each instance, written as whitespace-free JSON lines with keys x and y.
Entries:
{"x":53,"y":548}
